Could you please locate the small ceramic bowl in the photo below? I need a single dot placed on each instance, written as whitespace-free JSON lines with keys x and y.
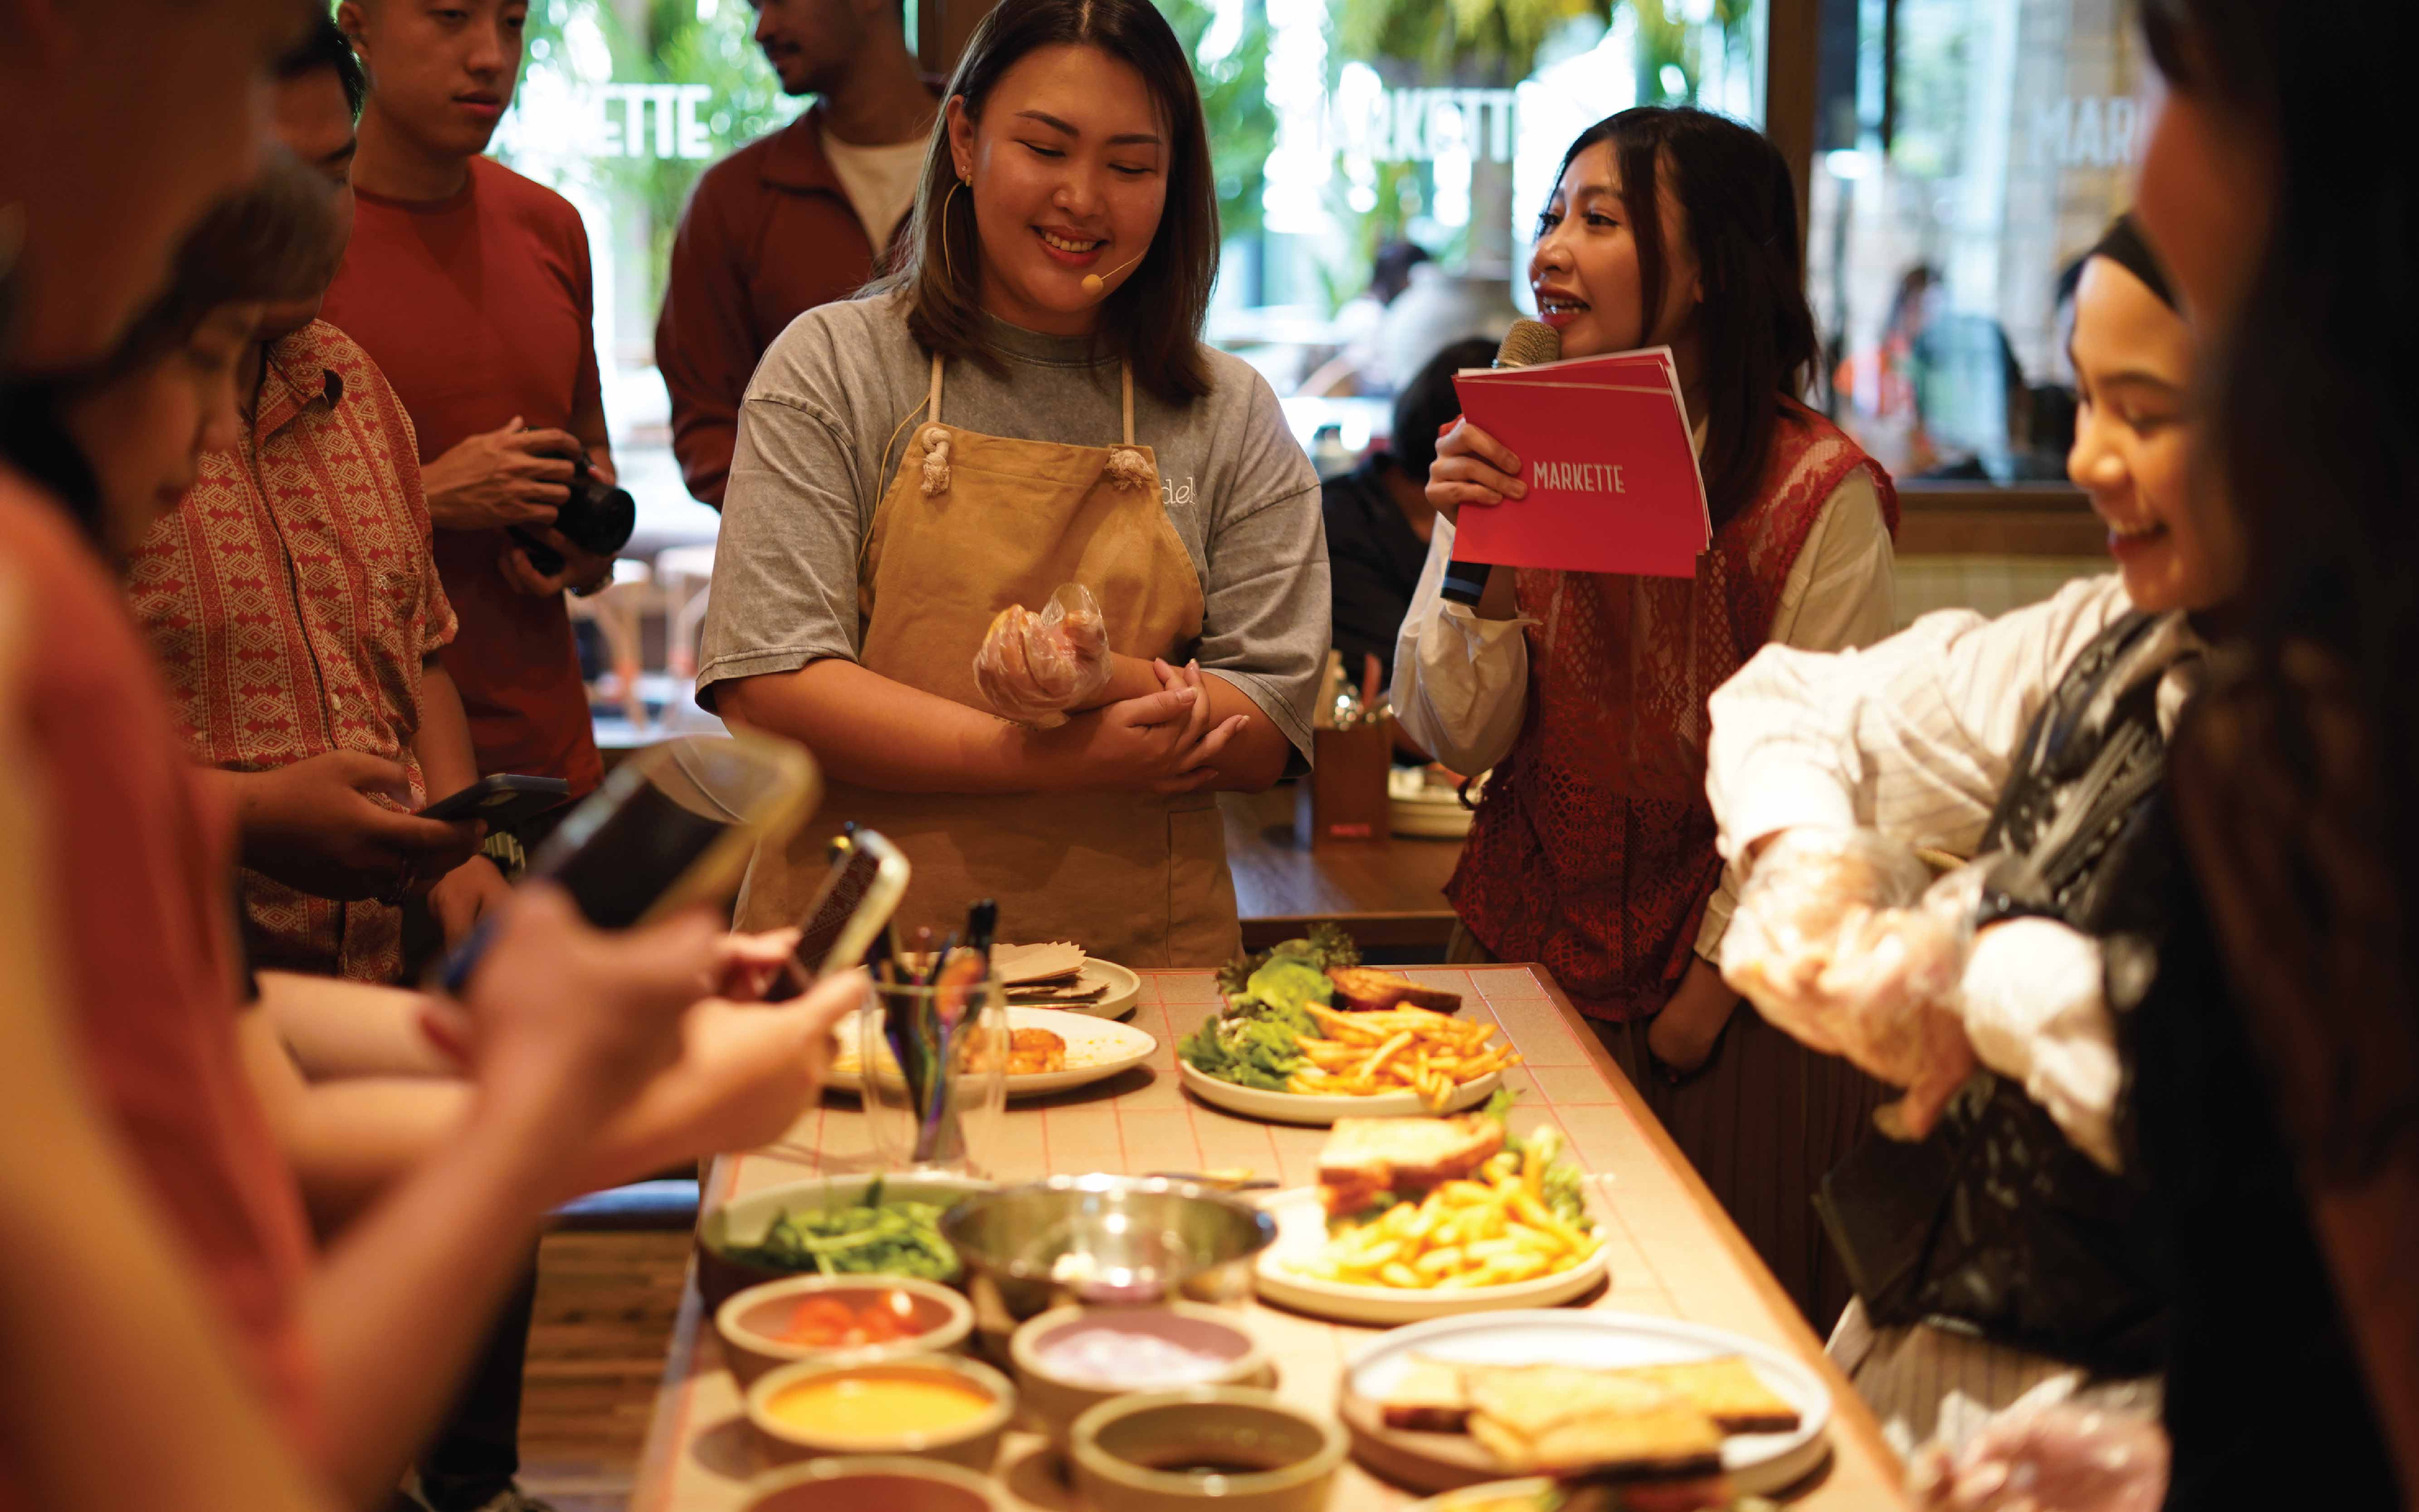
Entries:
{"x":870,"y":1484}
{"x":1130,"y":1350}
{"x":751,"y":1322}
{"x":972,"y":1443}
{"x":1229,"y":1447}
{"x":727,"y":1231}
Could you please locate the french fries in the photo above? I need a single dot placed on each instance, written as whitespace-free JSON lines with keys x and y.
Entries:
{"x":1410,"y":1049}
{"x":1489,"y":1232}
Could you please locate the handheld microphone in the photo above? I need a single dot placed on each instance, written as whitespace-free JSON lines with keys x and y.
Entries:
{"x":1528,"y":343}
{"x":1096,"y":285}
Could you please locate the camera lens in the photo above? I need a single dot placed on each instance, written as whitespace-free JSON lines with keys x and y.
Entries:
{"x":598,"y":519}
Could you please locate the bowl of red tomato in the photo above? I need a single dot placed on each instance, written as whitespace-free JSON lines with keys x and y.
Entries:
{"x":837,"y":1317}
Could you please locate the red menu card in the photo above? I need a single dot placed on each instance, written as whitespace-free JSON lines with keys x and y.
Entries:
{"x":1604,"y":447}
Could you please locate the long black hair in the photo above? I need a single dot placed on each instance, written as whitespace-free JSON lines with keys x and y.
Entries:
{"x":2312,"y":440}
{"x":1756,"y":329}
{"x":1153,"y":320}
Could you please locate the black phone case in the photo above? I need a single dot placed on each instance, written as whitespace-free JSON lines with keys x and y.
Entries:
{"x":505,"y":801}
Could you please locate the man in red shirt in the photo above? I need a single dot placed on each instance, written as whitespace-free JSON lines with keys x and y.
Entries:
{"x":792,"y":218}
{"x":469,"y":287}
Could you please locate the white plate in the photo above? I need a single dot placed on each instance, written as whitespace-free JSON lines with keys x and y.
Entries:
{"x":1418,"y":819}
{"x":1302,"y":1229}
{"x":1124,"y":985}
{"x":1097,"y":1049}
{"x":1756,"y":1462}
{"x":1307,"y":1107}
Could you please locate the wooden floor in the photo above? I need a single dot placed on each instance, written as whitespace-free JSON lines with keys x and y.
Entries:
{"x":605,"y":1307}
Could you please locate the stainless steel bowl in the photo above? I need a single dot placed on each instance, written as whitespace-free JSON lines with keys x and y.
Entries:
{"x":1102,"y":1240}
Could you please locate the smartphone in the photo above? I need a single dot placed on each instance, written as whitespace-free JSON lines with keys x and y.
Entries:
{"x":861,"y":890}
{"x":673,"y":825}
{"x":503,"y":799}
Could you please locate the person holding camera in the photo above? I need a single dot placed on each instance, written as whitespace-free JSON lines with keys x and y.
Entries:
{"x":470,"y":287}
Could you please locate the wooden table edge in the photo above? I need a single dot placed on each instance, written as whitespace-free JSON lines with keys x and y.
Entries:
{"x":1849,"y":1413}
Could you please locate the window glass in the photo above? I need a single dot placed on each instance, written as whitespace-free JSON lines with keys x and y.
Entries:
{"x":1969,"y":151}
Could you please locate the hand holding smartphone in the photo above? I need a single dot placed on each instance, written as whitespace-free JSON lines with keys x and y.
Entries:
{"x":673,"y":825}
{"x":859,"y":892}
{"x":502,"y":800}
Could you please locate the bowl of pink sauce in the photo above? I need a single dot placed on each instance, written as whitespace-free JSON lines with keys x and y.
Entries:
{"x":1070,"y":1359}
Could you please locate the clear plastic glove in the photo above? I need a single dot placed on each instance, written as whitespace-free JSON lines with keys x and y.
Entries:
{"x":1034,"y":667}
{"x":1836,"y":941}
{"x":2034,"y":1008}
{"x":2054,"y":1457}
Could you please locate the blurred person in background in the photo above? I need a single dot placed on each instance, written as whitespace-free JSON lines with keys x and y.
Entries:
{"x":1378,"y":517}
{"x":1358,"y":366}
{"x":470,"y":287}
{"x":799,"y":217}
{"x":1593,"y":849}
{"x":292,"y":602}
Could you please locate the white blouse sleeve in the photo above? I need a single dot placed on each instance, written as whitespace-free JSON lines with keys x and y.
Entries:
{"x":1462,"y":684}
{"x":1840,"y":593}
{"x":1913,"y":736}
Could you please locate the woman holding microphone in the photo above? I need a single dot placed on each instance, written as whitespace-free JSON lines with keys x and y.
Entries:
{"x":1585,"y":693}
{"x":1027,"y":405}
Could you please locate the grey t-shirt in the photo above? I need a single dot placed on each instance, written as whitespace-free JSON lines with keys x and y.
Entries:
{"x":841,"y":385}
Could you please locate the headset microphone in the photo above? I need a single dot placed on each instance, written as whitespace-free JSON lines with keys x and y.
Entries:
{"x":1096,"y":285}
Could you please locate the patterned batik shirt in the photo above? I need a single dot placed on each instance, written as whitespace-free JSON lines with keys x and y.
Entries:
{"x":291,"y":599}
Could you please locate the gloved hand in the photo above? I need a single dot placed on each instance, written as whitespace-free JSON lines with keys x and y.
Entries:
{"x":1034,"y":667}
{"x":2056,"y":1457}
{"x":2034,"y":1008}
{"x":1836,"y":941}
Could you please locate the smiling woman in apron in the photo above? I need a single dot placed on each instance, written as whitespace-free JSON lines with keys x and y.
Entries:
{"x":1026,"y":405}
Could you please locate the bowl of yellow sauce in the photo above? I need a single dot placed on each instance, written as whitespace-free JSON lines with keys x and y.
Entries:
{"x":929,"y":1406}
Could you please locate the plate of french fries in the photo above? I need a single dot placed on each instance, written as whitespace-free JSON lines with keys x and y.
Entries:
{"x":1408,"y":1060}
{"x":1472,"y":1244}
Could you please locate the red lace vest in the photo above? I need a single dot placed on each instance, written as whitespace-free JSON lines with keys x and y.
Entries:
{"x":1594,"y":848}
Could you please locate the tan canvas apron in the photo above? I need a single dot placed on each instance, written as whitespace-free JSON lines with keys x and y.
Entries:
{"x":1132,"y":877}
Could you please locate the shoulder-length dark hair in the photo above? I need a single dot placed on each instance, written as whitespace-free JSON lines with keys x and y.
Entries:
{"x":1757,"y":330}
{"x":1154,"y":319}
{"x":2312,"y":439}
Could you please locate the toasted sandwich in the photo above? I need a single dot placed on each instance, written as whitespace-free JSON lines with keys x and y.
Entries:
{"x":1564,"y":1418}
{"x":1726,"y":1389}
{"x":1366,"y":989}
{"x":1429,"y":1399}
{"x":1366,"y":1158}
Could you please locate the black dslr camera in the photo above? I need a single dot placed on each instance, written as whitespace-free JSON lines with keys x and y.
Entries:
{"x":597,"y":517}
